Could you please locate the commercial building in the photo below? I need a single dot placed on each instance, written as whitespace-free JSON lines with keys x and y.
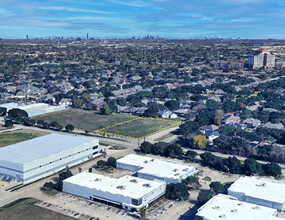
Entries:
{"x":37,"y":158}
{"x":227,"y":207}
{"x":261,"y":58}
{"x":34,"y":109}
{"x":127,"y":192}
{"x":259,"y":191}
{"x":152,"y":168}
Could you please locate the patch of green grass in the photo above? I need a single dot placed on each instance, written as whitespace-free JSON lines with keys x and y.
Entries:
{"x":51,"y":192}
{"x":164,"y":137}
{"x":207,"y":178}
{"x":19,"y":203}
{"x":139,"y":128}
{"x":19,"y":136}
{"x":84,"y":120}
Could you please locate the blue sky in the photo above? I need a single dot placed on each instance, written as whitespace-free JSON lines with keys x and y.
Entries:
{"x":128,"y":18}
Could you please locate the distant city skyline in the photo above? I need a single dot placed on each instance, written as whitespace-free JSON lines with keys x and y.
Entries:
{"x":252,"y":19}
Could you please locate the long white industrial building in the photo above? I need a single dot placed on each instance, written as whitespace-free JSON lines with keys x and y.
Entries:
{"x":34,"y":109}
{"x":40,"y":157}
{"x":152,"y":168}
{"x":128,"y":192}
{"x":260,"y":191}
{"x":227,"y":207}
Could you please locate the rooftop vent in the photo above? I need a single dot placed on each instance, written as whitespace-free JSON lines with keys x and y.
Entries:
{"x":147,"y":185}
{"x":216,"y":207}
{"x":233,"y":210}
{"x":145,"y":161}
{"x":121,"y":187}
{"x":175,"y":170}
{"x":186,"y":169}
{"x":133,"y":181}
{"x":97,"y":179}
{"x":256,"y":207}
{"x":222,"y":216}
{"x":260,"y":184}
{"x":152,"y":160}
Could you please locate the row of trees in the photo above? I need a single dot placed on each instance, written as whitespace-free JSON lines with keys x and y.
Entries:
{"x":233,"y":165}
{"x":162,"y":149}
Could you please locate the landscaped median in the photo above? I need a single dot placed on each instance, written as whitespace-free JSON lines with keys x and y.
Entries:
{"x":139,"y":128}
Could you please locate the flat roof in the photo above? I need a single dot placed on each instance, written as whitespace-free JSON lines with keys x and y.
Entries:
{"x":227,"y":207}
{"x":37,"y":148}
{"x":157,"y":167}
{"x":128,"y":186}
{"x":262,"y":188}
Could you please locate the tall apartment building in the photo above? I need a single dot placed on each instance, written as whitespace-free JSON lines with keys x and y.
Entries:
{"x":261,"y":58}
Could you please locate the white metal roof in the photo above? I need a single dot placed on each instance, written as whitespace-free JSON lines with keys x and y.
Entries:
{"x":128,"y":186}
{"x":229,"y":208}
{"x":31,"y":150}
{"x":267,"y":189}
{"x":157,"y":167}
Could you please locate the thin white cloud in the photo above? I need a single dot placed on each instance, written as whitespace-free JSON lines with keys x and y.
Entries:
{"x":137,"y":3}
{"x":5,"y":12}
{"x":56,"y":8}
{"x":98,"y":18}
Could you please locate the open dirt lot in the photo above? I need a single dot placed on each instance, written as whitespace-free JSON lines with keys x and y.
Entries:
{"x":84,"y":120}
{"x":26,"y":210}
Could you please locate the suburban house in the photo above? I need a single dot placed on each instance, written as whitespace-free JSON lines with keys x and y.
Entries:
{"x":252,"y":123}
{"x":167,"y":114}
{"x":273,"y":126}
{"x":231,"y":119}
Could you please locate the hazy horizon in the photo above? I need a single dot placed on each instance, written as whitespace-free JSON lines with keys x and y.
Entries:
{"x":180,"y":19}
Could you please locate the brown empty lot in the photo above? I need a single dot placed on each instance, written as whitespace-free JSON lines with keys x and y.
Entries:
{"x":26,"y":210}
{"x":84,"y":120}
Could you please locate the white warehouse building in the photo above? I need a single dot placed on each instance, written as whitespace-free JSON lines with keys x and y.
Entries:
{"x":34,"y":159}
{"x":259,"y":191}
{"x":152,"y":168}
{"x":227,"y":207}
{"x":34,"y":109}
{"x":127,"y":192}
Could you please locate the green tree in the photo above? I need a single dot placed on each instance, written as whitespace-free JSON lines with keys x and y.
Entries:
{"x":217,"y":187}
{"x":204,"y":197}
{"x":112,"y":161}
{"x":272,"y":169}
{"x":9,"y":123}
{"x":176,"y":191}
{"x":3,"y":111}
{"x":192,"y":182}
{"x":69,"y":128}
{"x":172,"y":105}
{"x":212,"y":104}
{"x":146,"y":147}
{"x":106,"y":110}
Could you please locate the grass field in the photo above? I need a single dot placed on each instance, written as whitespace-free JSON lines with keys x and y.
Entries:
{"x":18,"y":136}
{"x":85,"y":120}
{"x":25,"y":209}
{"x":140,"y":127}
